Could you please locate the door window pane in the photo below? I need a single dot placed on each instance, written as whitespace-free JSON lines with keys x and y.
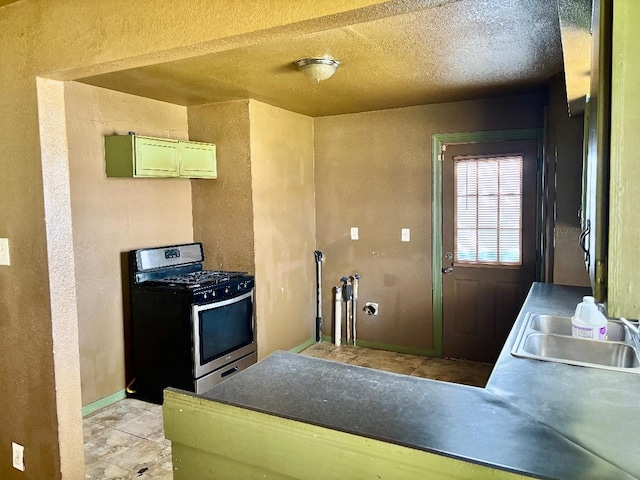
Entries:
{"x":467,"y":245}
{"x":488,"y":210}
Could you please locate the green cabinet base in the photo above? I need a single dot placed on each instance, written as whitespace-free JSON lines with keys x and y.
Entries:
{"x":212,"y":440}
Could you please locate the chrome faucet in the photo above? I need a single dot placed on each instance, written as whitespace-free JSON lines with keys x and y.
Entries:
{"x":635,"y":333}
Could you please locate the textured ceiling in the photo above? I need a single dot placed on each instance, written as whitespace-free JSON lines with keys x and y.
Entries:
{"x":443,"y":51}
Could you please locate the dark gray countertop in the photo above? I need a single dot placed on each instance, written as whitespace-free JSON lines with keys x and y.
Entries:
{"x":536,"y":418}
{"x":596,"y":409}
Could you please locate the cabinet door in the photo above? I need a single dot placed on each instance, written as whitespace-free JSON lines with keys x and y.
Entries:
{"x":156,"y":157}
{"x":198,"y":160}
{"x":596,"y":169}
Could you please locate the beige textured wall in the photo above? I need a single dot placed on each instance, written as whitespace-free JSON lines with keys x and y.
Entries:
{"x":67,"y":40}
{"x":258,"y":215}
{"x":373,"y":171}
{"x":223,"y":208}
{"x":284,"y":224}
{"x":565,"y":146}
{"x":112,"y":216}
{"x":27,"y":382}
{"x":60,"y":255}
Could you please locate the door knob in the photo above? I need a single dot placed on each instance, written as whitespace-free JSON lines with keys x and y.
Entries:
{"x":448,"y":270}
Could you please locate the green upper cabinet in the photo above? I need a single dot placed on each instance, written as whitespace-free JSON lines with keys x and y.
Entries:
{"x":139,"y":156}
{"x":197,"y":160}
{"x":596,"y":187}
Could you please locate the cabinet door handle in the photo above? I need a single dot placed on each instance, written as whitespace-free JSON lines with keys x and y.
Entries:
{"x":584,"y":235}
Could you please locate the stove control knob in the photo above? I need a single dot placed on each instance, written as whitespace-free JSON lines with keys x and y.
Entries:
{"x":226,"y":290}
{"x":205,"y":295}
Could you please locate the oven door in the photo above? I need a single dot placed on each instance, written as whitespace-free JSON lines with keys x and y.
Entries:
{"x":222,"y":333}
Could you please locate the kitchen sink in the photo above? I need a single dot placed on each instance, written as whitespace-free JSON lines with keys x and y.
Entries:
{"x":548,"y":338}
{"x":616,"y":331}
{"x":613,"y":354}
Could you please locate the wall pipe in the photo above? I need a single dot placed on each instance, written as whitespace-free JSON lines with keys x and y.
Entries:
{"x":337,"y":323}
{"x":354,"y":306}
{"x":347,"y":295}
{"x":319,"y":258}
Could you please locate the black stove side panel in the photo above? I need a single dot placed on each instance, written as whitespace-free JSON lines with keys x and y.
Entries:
{"x":162,"y":355}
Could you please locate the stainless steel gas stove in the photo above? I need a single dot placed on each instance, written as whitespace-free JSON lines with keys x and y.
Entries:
{"x":192,"y":328}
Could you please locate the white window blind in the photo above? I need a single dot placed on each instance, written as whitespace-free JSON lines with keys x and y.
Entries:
{"x":488,"y":210}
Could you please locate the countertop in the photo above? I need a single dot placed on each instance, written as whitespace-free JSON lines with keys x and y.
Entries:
{"x":541,"y":419}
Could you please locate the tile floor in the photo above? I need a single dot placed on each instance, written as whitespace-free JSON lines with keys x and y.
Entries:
{"x":447,"y":370}
{"x":126,"y":441}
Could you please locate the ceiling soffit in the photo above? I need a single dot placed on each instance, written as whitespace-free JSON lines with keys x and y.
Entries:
{"x":444,"y":51}
{"x":575,"y":28}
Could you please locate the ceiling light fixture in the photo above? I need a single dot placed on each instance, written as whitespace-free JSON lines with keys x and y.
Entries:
{"x":317,"y":68}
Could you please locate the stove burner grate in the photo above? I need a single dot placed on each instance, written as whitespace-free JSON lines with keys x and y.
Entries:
{"x":200,"y":277}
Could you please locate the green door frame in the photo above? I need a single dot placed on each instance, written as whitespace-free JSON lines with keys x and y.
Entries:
{"x":440,"y":140}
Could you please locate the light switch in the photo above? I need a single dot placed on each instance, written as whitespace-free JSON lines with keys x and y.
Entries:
{"x":354,"y":233}
{"x":405,"y":236}
{"x":4,"y":251}
{"x":18,"y":456}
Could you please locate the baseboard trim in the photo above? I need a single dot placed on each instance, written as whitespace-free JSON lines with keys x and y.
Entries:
{"x":302,"y":346}
{"x":103,"y":402}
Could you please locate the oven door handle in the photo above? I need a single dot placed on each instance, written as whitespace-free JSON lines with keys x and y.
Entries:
{"x":231,"y":371}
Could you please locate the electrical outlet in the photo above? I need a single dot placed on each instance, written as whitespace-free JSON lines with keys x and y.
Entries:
{"x":354,"y":233}
{"x":18,"y":456}
{"x":405,"y":235}
{"x":4,"y":251}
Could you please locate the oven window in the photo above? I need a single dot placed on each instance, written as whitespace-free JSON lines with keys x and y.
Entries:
{"x":225,"y":329}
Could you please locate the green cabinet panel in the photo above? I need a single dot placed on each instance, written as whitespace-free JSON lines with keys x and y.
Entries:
{"x":197,"y":160}
{"x":623,"y":276}
{"x":155,"y":157}
{"x":139,"y":156}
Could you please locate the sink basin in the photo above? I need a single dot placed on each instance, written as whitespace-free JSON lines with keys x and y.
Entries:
{"x":548,"y":338}
{"x":616,"y":331}
{"x":612,"y":354}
